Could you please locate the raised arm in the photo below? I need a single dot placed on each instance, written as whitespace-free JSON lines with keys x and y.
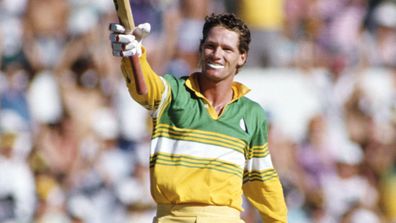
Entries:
{"x":126,"y":46}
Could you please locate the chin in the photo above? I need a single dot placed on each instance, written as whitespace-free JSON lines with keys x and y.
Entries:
{"x":216,"y":77}
{"x":213,"y":72}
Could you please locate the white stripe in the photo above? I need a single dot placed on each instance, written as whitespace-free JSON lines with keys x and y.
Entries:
{"x":154,"y":114}
{"x":199,"y":150}
{"x":259,"y":164}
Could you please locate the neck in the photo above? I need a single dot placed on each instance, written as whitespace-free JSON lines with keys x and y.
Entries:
{"x":218,"y":93}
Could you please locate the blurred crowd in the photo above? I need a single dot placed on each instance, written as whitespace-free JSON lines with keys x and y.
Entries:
{"x":74,"y":147}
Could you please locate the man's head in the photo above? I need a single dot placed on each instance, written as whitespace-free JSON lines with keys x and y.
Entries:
{"x":231,"y":22}
{"x":233,"y":25}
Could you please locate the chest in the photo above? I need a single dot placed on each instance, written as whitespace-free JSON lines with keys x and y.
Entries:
{"x":193,"y":114}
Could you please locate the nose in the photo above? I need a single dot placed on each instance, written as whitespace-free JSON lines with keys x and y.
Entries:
{"x":217,"y":52}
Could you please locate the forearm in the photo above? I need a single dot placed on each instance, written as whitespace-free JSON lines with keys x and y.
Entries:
{"x":152,"y":81}
{"x":268,"y":198}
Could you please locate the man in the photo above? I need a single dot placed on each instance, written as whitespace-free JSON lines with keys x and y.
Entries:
{"x":209,"y":142}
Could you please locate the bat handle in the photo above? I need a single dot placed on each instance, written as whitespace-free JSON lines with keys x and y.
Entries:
{"x":138,"y":75}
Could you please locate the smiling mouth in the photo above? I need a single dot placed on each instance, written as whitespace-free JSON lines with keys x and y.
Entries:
{"x":215,"y":66}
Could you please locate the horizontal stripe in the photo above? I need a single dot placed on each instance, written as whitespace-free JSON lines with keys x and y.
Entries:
{"x":192,"y":162}
{"x":196,"y":149}
{"x":269,"y":177}
{"x":259,"y":173}
{"x":259,"y":176}
{"x":258,"y":151}
{"x":260,"y":147}
{"x":198,"y":139}
{"x":260,"y":154}
{"x":204,"y":134}
{"x":259,"y":164}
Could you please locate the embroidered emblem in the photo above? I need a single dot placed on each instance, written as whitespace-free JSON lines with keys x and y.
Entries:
{"x":242,"y":124}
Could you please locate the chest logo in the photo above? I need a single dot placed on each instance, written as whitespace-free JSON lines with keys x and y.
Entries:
{"x":242,"y":124}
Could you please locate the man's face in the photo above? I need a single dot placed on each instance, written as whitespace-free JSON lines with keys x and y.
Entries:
{"x":220,"y":55}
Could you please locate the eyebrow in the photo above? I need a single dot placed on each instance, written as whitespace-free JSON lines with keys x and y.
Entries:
{"x":209,"y":42}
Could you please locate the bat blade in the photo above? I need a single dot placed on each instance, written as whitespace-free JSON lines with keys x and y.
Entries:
{"x":124,"y":13}
{"x":125,"y":16}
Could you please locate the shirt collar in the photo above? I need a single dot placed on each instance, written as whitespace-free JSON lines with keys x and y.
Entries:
{"x":239,"y":89}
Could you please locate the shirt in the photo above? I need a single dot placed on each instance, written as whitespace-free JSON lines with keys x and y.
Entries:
{"x":200,"y":157}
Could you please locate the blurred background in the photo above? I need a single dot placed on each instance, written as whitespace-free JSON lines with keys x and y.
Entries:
{"x":74,"y":147}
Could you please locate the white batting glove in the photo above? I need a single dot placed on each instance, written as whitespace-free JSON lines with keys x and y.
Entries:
{"x":126,"y":45}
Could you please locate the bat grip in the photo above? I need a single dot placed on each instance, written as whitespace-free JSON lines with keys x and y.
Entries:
{"x":138,"y":75}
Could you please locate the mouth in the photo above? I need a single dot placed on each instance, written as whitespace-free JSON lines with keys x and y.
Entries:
{"x":215,"y":66}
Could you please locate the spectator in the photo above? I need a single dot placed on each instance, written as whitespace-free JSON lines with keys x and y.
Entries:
{"x":17,"y":190}
{"x":356,"y":189}
{"x":266,"y":19}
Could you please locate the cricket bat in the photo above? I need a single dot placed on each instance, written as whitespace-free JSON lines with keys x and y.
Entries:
{"x":125,"y":17}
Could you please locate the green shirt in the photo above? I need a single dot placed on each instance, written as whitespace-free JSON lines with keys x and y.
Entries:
{"x":199,"y":157}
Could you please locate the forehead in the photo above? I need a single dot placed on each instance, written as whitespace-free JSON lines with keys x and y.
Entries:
{"x":220,"y":33}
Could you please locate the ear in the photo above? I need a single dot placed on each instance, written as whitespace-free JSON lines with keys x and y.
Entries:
{"x":242,"y":59}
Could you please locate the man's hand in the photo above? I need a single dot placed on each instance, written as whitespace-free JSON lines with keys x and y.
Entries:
{"x":124,"y":44}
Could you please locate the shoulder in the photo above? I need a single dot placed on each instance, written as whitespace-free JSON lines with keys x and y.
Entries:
{"x":173,"y":79}
{"x":255,"y":113}
{"x":252,"y":106}
{"x":176,"y":84}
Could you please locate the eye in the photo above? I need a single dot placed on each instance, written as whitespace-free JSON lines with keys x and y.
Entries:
{"x":228,"y":49}
{"x":209,"y":46}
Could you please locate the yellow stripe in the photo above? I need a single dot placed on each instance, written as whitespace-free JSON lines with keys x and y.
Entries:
{"x":260,"y":147}
{"x":194,"y":162}
{"x":258,"y":151}
{"x":260,"y":154}
{"x":262,"y":179}
{"x":259,"y":175}
{"x":241,"y":143}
